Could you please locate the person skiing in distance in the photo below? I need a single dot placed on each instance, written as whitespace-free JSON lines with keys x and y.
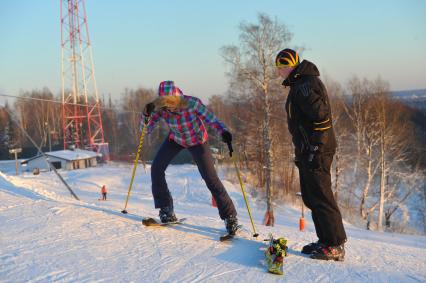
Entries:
{"x":310,"y":124}
{"x":186,"y":117}
{"x":104,"y":192}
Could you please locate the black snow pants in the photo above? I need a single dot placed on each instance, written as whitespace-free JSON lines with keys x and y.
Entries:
{"x":317,"y":195}
{"x":204,"y":160}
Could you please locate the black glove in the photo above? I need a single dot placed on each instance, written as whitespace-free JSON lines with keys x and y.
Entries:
{"x":297,"y":161}
{"x":226,"y":137}
{"x":149,"y":108}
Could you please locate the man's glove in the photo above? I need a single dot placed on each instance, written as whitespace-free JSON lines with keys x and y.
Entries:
{"x":313,"y":158}
{"x":297,"y":161}
{"x":226,"y":137}
{"x":149,"y":108}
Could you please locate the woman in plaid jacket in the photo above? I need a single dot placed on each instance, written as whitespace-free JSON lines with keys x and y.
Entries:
{"x":186,"y":117}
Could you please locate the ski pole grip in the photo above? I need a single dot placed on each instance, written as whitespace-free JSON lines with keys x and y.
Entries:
{"x":230,"y":149}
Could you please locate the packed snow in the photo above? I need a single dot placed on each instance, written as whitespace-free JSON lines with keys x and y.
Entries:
{"x":48,"y":236}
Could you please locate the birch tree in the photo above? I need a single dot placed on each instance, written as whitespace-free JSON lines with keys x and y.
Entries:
{"x":38,"y":114}
{"x":366,"y":135}
{"x":252,"y":63}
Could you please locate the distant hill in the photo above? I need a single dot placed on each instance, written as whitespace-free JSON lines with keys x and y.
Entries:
{"x":414,"y":98}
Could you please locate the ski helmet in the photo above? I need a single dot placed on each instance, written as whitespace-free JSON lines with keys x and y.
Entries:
{"x":287,"y":58}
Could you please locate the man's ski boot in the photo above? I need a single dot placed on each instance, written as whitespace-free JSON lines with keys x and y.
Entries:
{"x":336,"y":253}
{"x":275,"y":254}
{"x":167,"y":215}
{"x":231,"y":224}
{"x":310,"y":248}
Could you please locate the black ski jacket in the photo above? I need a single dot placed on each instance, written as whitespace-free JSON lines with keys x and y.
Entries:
{"x":308,"y":111}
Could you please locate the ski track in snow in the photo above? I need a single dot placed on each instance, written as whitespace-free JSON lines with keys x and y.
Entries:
{"x":47,"y":236}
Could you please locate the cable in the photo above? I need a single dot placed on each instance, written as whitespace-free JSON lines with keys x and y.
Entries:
{"x":59,"y":102}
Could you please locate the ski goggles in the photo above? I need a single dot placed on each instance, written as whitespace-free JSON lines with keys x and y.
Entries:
{"x":281,"y":63}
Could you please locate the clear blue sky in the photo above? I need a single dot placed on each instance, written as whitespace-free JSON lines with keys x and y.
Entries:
{"x":139,"y":43}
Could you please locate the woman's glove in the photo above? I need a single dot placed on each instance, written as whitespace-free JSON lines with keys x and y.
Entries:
{"x":226,"y":137}
{"x":149,"y":108}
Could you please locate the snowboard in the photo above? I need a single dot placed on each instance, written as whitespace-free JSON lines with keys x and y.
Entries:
{"x":152,"y":222}
{"x":275,"y":254}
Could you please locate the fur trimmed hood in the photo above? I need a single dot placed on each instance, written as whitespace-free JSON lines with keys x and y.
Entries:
{"x":170,"y":102}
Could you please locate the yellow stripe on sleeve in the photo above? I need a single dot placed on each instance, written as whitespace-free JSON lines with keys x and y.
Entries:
{"x":322,"y":129}
{"x":323,"y":122}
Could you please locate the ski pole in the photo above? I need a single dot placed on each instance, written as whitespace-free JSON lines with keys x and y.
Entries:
{"x":242,"y":187}
{"x":135,"y":164}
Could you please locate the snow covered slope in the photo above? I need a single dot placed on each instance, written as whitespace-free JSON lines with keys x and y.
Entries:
{"x":46,"y":236}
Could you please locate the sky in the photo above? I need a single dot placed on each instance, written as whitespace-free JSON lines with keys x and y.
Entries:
{"x":140,"y":43}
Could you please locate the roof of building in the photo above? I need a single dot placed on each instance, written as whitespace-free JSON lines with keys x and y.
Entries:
{"x":68,"y":155}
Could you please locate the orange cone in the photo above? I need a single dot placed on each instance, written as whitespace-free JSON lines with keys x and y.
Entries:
{"x":267,"y":219}
{"x":302,"y":224}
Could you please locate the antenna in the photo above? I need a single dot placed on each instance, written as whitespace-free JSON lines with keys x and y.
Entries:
{"x":81,"y":114}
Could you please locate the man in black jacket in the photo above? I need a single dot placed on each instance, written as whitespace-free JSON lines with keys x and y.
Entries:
{"x":310,"y":124}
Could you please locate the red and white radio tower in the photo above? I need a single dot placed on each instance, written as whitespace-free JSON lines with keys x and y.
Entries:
{"x":81,"y":114}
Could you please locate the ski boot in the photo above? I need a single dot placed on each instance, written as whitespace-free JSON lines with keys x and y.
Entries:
{"x":231,"y":224}
{"x":167,"y":215}
{"x":336,"y":253}
{"x":310,"y":248}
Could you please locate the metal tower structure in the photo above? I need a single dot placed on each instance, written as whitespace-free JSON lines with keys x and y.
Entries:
{"x":81,"y":114}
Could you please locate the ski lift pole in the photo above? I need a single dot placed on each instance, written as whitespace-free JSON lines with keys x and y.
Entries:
{"x":46,"y":158}
{"x":242,"y":187}
{"x":135,"y":163}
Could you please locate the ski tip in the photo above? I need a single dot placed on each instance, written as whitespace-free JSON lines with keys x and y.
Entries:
{"x":226,"y":237}
{"x":276,"y":272}
{"x":149,"y":221}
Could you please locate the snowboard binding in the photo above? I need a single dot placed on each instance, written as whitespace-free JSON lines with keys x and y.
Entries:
{"x":275,"y":254}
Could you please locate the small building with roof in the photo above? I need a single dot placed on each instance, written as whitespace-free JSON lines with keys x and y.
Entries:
{"x":63,"y":159}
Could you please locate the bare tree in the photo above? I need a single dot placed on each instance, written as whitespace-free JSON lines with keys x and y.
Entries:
{"x":396,"y":135}
{"x":9,"y":137}
{"x":381,"y":93}
{"x":403,"y":184}
{"x":362,"y":113}
{"x":110,"y":125}
{"x":252,"y":64}
{"x":38,"y":114}
{"x":133,"y":102}
{"x":335,"y":93}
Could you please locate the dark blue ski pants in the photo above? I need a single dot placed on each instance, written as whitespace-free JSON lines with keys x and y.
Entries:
{"x":204,"y":160}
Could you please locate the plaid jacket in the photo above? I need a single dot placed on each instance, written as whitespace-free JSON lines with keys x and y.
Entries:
{"x":187,"y":124}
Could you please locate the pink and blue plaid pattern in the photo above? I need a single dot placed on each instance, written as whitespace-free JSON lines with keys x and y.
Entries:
{"x":168,"y":88}
{"x":187,"y":125}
